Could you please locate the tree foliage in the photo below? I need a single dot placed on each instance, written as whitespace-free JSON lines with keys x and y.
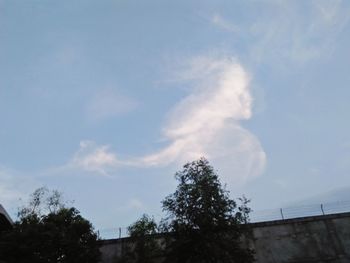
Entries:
{"x":203,"y":219}
{"x":143,"y":227}
{"x":145,"y":244}
{"x":42,"y":201}
{"x":60,"y":235}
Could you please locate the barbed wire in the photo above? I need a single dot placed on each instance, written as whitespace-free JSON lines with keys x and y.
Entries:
{"x":261,"y":216}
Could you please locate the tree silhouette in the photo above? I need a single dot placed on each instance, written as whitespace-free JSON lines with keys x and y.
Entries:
{"x":203,"y":219}
{"x":61,"y":235}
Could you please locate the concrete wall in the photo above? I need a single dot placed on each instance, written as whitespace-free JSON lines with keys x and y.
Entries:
{"x":111,"y":249}
{"x":309,"y":239}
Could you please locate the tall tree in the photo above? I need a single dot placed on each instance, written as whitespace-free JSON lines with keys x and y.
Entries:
{"x":60,"y":234}
{"x":205,"y":224}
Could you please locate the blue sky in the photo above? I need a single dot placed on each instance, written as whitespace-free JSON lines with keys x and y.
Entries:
{"x":106,"y":100}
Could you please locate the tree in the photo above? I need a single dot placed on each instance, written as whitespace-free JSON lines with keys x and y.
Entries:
{"x":144,"y":226}
{"x":203,"y":219}
{"x":42,"y":201}
{"x":59,"y":235}
{"x":244,"y":210}
{"x":145,"y":244}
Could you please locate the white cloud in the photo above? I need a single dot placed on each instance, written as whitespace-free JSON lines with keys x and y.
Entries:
{"x":94,"y":158}
{"x":207,"y":122}
{"x":108,"y":104}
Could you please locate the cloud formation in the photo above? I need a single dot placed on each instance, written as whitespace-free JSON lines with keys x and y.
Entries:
{"x":206,"y":123}
{"x":286,"y":30}
{"x":94,"y":158}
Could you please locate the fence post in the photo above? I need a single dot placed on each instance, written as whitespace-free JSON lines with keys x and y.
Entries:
{"x":322,"y":209}
{"x":120,"y":232}
{"x":282,"y":213}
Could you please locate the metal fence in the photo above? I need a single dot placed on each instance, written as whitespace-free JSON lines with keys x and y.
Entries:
{"x":300,"y":211}
{"x":110,"y":233}
{"x":263,"y":215}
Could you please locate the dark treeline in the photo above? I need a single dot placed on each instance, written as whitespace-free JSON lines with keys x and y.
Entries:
{"x":202,"y":225}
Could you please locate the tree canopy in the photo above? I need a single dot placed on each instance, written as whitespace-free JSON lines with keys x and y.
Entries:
{"x":146,"y":247}
{"x":142,"y":227}
{"x":60,"y":234}
{"x":206,"y":224}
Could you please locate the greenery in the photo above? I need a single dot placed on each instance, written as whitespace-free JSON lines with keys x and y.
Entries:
{"x":48,"y":231}
{"x":203,"y":225}
{"x":146,"y":246}
{"x":203,"y":220}
{"x":143,"y":227}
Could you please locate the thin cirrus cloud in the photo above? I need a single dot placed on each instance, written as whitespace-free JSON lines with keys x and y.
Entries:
{"x":298,"y":33}
{"x":205,"y":123}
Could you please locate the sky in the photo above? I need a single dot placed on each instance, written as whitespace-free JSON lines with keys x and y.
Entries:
{"x":106,"y":100}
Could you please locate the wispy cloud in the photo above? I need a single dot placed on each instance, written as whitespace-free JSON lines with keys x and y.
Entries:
{"x":205,"y":123}
{"x":287,"y":31}
{"x":93,"y":158}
